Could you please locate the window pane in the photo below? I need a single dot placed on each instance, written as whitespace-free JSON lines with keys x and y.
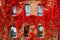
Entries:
{"x":14,"y":10}
{"x":27,"y":8}
{"x":13,"y":32}
{"x":39,"y":10}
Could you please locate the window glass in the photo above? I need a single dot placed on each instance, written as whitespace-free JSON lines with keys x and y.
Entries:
{"x":40,"y":31}
{"x":27,"y":8}
{"x":39,"y":10}
{"x":13,"y":32}
{"x":14,"y":11}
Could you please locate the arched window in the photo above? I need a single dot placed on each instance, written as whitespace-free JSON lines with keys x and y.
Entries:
{"x":13,"y":32}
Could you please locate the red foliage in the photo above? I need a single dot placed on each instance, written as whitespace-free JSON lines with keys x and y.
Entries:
{"x":51,"y":14}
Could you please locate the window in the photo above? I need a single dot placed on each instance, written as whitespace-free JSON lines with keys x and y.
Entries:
{"x":27,"y":8}
{"x":14,"y":11}
{"x":39,"y":10}
{"x":26,"y":30}
{"x":40,"y":31}
{"x":13,"y":32}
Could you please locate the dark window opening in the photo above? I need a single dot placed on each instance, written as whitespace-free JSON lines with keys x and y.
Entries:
{"x":26,"y":30}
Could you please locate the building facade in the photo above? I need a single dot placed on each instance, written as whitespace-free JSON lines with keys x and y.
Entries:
{"x":29,"y":20}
